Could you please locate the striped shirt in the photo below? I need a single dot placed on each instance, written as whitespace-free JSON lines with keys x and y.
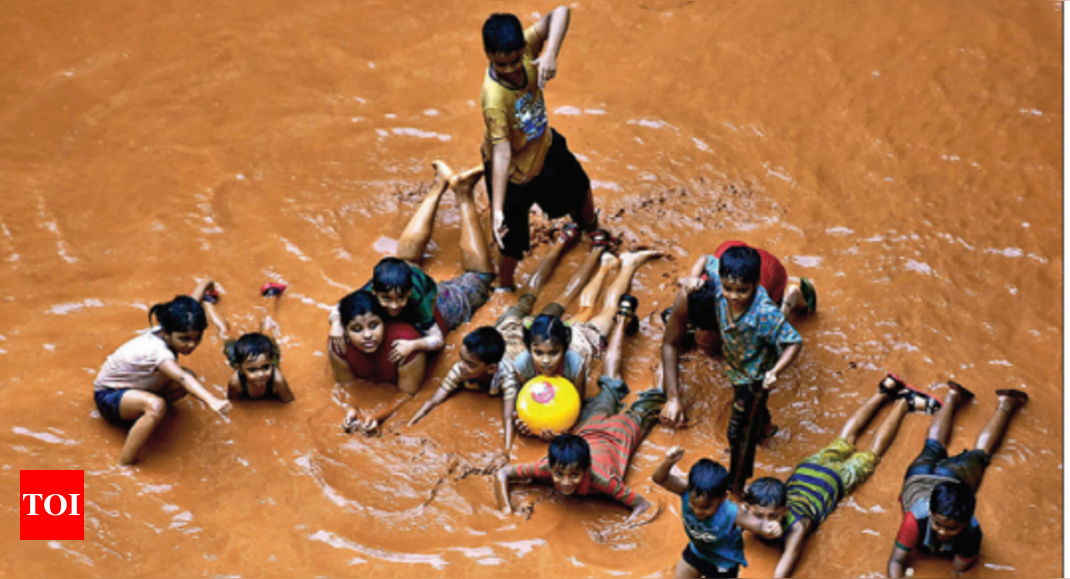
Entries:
{"x":813,"y":492}
{"x":612,"y":440}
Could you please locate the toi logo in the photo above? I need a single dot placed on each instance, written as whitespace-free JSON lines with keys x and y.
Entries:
{"x":52,"y":505}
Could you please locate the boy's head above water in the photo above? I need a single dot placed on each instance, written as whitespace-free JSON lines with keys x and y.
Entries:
{"x":182,"y":322}
{"x":707,"y":488}
{"x":570,"y":459}
{"x":767,"y":498}
{"x":740,"y":270}
{"x":548,"y":340}
{"x":392,"y":285}
{"x":362,"y":318}
{"x":951,"y":508}
{"x":481,"y":351}
{"x":254,"y":355}
{"x":503,"y":41}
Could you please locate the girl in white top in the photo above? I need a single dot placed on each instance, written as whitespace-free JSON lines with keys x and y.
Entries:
{"x":137,"y":382}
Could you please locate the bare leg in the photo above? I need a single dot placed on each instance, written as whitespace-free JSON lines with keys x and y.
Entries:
{"x":614,"y":356}
{"x":418,"y":231}
{"x":589,"y":296}
{"x":858,"y":421}
{"x":993,"y":432}
{"x":147,"y":409}
{"x":886,"y":431}
{"x":579,"y":278}
{"x":685,"y":571}
{"x":546,"y":267}
{"x":793,"y":297}
{"x":630,"y":262}
{"x":475,"y":253}
{"x":940,"y":429}
{"x":507,"y":271}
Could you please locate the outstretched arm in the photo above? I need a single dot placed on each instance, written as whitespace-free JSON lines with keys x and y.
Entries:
{"x":410,"y":375}
{"x":792,"y":548}
{"x":509,"y":420}
{"x":439,"y":397}
{"x":172,"y":370}
{"x":663,"y":476}
{"x":504,"y":475}
{"x":897,"y":563}
{"x":673,"y":413}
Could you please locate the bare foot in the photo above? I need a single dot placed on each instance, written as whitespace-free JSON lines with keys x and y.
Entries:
{"x":463,"y":183}
{"x":609,"y":262}
{"x":635,"y":259}
{"x":443,"y":175}
{"x":792,"y":299}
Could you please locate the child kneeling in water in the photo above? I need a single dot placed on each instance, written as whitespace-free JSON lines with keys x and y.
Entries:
{"x":367,"y":357}
{"x":142,"y":377}
{"x":711,"y":520}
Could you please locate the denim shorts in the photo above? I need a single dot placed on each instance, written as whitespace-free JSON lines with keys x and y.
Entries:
{"x":108,"y":401}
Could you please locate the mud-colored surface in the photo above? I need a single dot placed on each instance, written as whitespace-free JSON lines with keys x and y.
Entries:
{"x":906,"y":156}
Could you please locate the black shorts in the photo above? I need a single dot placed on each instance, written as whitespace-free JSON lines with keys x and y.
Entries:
{"x":707,"y":569}
{"x":559,"y":189}
{"x":966,"y":467}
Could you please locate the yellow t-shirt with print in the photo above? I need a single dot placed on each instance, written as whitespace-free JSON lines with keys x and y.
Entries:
{"x":517,"y":116}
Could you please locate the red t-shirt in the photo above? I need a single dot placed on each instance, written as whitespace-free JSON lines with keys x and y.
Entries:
{"x":774,"y":277}
{"x":612,"y":441}
{"x":375,"y":367}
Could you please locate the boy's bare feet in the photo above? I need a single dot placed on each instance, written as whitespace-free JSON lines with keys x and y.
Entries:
{"x":443,"y":175}
{"x":463,"y":183}
{"x":609,"y":261}
{"x":638,"y":258}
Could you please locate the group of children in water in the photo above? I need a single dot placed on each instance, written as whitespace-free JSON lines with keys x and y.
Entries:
{"x":736,"y":302}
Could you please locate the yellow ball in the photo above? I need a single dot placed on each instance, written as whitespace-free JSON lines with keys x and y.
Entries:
{"x":546,"y":402}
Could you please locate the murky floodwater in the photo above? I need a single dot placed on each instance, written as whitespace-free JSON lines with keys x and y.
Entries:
{"x":906,"y":156}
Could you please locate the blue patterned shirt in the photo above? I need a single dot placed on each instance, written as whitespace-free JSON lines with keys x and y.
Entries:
{"x":754,"y":342}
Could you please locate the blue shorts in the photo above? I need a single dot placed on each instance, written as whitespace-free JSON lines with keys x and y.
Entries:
{"x":108,"y":404}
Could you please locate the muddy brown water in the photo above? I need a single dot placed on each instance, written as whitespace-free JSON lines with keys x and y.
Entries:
{"x":906,"y":156}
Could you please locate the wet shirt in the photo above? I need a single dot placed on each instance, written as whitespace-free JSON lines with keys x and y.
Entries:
{"x":754,"y":342}
{"x":420,"y":309}
{"x":517,"y":116}
{"x":522,"y":368}
{"x":612,"y":440}
{"x":377,"y":367}
{"x":813,"y":492}
{"x":916,"y":532}
{"x":716,"y":539}
{"x":136,"y":365}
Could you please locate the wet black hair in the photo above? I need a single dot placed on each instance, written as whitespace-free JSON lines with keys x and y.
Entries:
{"x":485,"y":343}
{"x":392,"y":274}
{"x":766,"y":492}
{"x":359,"y":303}
{"x":708,"y":479}
{"x":248,"y":347}
{"x":545,"y":327}
{"x":953,"y":500}
{"x":502,"y":34}
{"x":182,"y":314}
{"x":742,"y":263}
{"x":569,"y":450}
{"x":702,"y":307}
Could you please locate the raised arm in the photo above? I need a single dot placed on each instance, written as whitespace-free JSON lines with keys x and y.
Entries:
{"x":172,"y":370}
{"x":673,"y":412}
{"x":553,"y":28}
{"x":792,"y":548}
{"x":663,"y":476}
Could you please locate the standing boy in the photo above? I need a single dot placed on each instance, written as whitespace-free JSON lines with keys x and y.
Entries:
{"x":758,"y":345}
{"x":527,"y":163}
{"x":938,"y":491}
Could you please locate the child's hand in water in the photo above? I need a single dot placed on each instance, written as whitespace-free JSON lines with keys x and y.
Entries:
{"x":351,"y":423}
{"x":221,"y":405}
{"x":402,"y":349}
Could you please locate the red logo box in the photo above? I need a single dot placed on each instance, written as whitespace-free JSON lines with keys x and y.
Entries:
{"x":52,"y":505}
